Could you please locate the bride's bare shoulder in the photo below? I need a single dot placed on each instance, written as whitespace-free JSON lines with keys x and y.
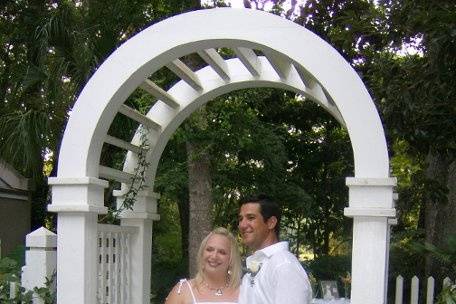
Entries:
{"x":180,"y":294}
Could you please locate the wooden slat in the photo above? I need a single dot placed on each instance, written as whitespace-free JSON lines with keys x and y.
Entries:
{"x":305,"y":77}
{"x":116,"y":262}
{"x":102,"y":254}
{"x":430,"y":290}
{"x":218,"y":64}
{"x":414,"y":290}
{"x":122,"y":144}
{"x":185,"y":73}
{"x":137,"y":116}
{"x":280,"y":64}
{"x":128,"y":274}
{"x":318,"y":94}
{"x":153,"y":89}
{"x":313,"y":87}
{"x":123,"y":273}
{"x":399,"y":289}
{"x":249,"y":59}
{"x":110,"y":173}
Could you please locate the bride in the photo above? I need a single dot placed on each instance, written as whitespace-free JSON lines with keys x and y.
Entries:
{"x":219,"y":273}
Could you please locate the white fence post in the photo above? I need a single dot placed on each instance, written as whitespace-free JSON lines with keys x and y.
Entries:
{"x":40,"y":260}
{"x":14,"y":286}
{"x":430,"y":290}
{"x":399,"y":289}
{"x":142,"y":216}
{"x":414,"y":290}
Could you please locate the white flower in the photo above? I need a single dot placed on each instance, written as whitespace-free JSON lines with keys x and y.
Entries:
{"x":254,"y":267}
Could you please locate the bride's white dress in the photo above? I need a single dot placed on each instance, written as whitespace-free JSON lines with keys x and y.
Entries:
{"x":193,"y":295}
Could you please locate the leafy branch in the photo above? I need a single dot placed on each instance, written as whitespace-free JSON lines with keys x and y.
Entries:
{"x":137,"y":182}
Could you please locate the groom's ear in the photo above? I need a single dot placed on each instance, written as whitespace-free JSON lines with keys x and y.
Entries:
{"x":271,"y":222}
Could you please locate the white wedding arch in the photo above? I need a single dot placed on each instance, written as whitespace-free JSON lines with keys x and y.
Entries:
{"x":292,"y":58}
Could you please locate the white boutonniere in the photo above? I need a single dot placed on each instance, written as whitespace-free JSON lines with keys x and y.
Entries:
{"x":253,"y":268}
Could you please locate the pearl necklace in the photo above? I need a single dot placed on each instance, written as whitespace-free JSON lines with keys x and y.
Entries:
{"x":218,"y":291}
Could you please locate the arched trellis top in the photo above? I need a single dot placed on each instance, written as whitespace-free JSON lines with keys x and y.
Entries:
{"x":270,"y":52}
{"x":294,"y":58}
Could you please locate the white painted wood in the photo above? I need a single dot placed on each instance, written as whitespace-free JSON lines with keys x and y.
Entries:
{"x":117,"y":270}
{"x":430,"y":290}
{"x":113,"y":269}
{"x":139,"y":259}
{"x":81,"y":194}
{"x":147,"y":52}
{"x":375,"y":194}
{"x":13,"y":289}
{"x":155,"y":90}
{"x":125,"y":268}
{"x":280,"y":64}
{"x":205,"y":30}
{"x":446,"y":282}
{"x":392,"y":221}
{"x":378,"y":212}
{"x":414,"y":290}
{"x":370,"y":197}
{"x":122,"y":144}
{"x":128,"y":262}
{"x":76,"y":249}
{"x":124,"y":230}
{"x":249,"y":59}
{"x":212,"y":58}
{"x":305,"y":76}
{"x":320,"y":95}
{"x":120,"y":176}
{"x":40,"y":260}
{"x":170,"y":120}
{"x":369,"y":261}
{"x":185,"y":73}
{"x":137,"y":116}
{"x":102,"y":266}
{"x":139,"y":251}
{"x":399,"y":290}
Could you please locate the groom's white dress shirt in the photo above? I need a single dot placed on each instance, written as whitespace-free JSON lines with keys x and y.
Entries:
{"x":280,"y":279}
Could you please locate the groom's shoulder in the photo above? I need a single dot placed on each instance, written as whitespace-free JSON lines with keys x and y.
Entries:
{"x":284,"y":256}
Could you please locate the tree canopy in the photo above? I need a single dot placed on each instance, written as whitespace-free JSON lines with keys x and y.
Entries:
{"x":256,"y":140}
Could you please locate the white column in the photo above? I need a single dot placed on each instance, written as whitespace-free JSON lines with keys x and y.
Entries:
{"x":142,"y":216}
{"x":78,"y":201}
{"x":371,"y":205}
{"x":40,"y":260}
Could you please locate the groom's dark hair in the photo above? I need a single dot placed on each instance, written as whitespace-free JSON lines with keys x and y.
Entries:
{"x":268,"y":208}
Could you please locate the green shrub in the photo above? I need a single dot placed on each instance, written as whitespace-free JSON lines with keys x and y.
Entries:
{"x":10,"y":272}
{"x":332,"y":268}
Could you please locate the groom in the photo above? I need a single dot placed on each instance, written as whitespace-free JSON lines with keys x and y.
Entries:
{"x":274,"y":275}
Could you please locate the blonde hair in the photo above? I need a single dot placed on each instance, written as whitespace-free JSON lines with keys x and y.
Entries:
{"x":235,"y":258}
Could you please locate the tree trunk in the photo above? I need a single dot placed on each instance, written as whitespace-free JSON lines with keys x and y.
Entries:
{"x":440,"y":213}
{"x":200,"y":197}
{"x":199,"y":176}
{"x":184,"y":213}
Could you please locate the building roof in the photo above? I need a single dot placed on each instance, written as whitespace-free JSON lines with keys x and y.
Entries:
{"x":10,"y":179}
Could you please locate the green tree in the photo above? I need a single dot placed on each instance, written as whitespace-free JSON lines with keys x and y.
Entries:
{"x":416,"y":94}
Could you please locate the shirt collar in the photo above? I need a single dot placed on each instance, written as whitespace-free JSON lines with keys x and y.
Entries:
{"x":272,"y":249}
{"x":260,"y":255}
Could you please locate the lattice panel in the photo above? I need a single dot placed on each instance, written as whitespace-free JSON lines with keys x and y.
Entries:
{"x":114,"y":274}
